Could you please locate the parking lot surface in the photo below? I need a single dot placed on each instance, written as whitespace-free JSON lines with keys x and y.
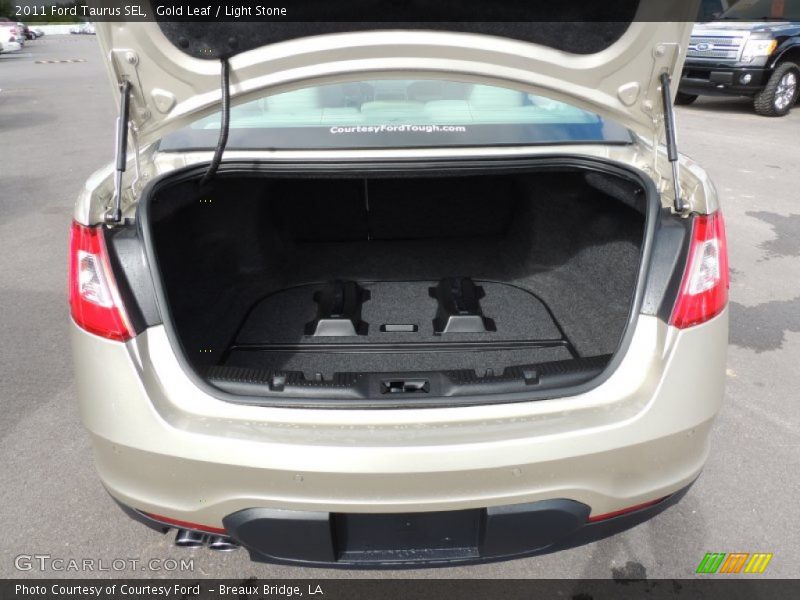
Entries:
{"x":57,"y":126}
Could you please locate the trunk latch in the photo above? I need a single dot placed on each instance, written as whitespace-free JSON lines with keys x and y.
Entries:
{"x":405,"y":386}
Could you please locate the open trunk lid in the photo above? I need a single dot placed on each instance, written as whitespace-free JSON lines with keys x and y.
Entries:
{"x":612,"y":69}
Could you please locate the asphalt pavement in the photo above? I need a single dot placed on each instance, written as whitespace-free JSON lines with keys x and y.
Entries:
{"x":57,"y":127}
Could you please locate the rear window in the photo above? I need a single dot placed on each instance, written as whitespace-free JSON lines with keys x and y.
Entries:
{"x":399,"y":113}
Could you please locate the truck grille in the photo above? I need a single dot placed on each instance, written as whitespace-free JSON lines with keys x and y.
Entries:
{"x":725,"y":48}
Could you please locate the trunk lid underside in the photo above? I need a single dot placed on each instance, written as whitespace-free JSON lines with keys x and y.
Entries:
{"x":612,"y":69}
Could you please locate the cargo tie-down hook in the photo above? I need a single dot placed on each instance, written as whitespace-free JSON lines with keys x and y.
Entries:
{"x":224,"y":124}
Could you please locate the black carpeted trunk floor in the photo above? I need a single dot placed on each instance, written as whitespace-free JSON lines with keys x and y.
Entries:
{"x":281,"y":318}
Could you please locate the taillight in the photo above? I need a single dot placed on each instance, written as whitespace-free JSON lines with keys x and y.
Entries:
{"x":93,"y":297}
{"x":704,"y":289}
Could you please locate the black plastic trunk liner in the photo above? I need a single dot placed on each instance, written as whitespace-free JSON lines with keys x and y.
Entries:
{"x":408,"y":388}
{"x":398,"y":323}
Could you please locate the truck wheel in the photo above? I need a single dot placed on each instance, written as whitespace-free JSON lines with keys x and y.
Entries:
{"x":780,"y":93}
{"x":685,"y":99}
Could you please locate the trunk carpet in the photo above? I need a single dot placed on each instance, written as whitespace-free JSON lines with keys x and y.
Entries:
{"x":281,"y":318}
{"x":552,"y":251}
{"x":588,"y":289}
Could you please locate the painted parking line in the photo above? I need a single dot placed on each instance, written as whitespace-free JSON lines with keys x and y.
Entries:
{"x":69,"y":60}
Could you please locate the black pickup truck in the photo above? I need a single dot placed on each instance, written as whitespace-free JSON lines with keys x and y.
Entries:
{"x":751,"y":49}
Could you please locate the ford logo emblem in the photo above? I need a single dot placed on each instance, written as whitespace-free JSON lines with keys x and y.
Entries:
{"x":704,"y":47}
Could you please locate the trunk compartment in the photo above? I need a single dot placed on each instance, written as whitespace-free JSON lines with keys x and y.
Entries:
{"x":398,"y":287}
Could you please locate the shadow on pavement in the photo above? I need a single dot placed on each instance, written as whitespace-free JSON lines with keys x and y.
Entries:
{"x":742,"y":105}
{"x":732,"y":105}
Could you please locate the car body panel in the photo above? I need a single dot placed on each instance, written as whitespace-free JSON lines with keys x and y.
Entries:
{"x":171,"y":89}
{"x":161,"y":443}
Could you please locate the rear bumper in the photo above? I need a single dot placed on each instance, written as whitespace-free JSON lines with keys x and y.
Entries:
{"x":412,"y":540}
{"x":714,"y":80}
{"x":163,"y":447}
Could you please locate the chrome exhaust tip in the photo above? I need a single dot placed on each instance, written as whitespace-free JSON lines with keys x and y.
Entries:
{"x":186,"y":538}
{"x":221,"y":543}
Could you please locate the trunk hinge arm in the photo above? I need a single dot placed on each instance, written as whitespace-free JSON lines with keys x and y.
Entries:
{"x":672,"y":141}
{"x":225,"y":119}
{"x":114,"y":215}
{"x":137,"y":163}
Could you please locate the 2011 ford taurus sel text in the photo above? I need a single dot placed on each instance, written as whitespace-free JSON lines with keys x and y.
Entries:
{"x":443,"y":298}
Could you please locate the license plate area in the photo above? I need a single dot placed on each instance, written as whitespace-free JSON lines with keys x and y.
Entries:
{"x":408,"y":536}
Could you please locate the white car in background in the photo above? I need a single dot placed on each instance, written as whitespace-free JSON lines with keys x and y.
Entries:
{"x":83,"y":28}
{"x":9,"y":46}
{"x":9,"y":37}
